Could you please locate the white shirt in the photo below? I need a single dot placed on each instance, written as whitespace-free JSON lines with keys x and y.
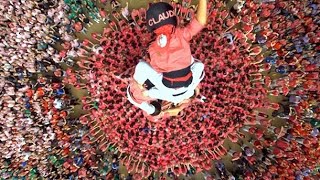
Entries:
{"x":57,"y":103}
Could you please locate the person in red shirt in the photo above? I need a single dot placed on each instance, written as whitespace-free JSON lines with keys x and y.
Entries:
{"x":172,"y":73}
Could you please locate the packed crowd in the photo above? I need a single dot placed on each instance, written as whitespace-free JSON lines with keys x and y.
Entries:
{"x":29,"y":31}
{"x":274,"y":52}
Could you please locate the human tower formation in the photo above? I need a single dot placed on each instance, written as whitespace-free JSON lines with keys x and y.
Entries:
{"x":253,"y":52}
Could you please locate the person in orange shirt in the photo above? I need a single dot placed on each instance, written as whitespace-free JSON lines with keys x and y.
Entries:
{"x":172,"y":71}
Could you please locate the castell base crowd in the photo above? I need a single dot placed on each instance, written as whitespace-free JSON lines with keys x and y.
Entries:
{"x":158,"y":89}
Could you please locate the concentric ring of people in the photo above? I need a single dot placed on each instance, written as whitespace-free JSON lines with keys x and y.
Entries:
{"x":167,"y":86}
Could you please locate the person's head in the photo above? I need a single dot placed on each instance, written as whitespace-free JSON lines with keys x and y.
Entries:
{"x":161,"y":15}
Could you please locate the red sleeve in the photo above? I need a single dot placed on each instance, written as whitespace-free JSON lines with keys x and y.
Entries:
{"x":192,"y":29}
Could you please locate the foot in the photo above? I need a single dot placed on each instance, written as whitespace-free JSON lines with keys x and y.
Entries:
{"x":157,"y":106}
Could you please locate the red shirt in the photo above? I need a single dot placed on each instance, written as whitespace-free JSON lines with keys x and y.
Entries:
{"x":177,"y":54}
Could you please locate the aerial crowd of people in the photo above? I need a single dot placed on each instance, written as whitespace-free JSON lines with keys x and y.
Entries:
{"x":260,"y":93}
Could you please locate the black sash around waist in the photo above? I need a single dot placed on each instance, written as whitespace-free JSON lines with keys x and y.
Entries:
{"x":178,"y":78}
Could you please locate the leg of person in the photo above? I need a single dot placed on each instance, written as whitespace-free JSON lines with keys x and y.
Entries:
{"x":144,"y":72}
{"x":163,"y":95}
{"x":187,"y":95}
{"x":197,"y":72}
{"x":174,"y":98}
{"x":182,"y":93}
{"x":151,"y":109}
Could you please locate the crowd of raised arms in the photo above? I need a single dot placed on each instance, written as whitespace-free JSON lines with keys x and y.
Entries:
{"x":258,"y":105}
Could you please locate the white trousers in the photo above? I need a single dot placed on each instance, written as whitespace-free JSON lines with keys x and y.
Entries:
{"x":144,"y":71}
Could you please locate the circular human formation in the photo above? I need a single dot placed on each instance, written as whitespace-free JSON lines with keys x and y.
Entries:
{"x":250,"y":51}
{"x":194,"y":137}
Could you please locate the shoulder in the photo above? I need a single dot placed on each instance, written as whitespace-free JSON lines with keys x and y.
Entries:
{"x":152,"y":47}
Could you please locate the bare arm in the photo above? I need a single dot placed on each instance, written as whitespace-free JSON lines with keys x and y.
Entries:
{"x":202,"y":12}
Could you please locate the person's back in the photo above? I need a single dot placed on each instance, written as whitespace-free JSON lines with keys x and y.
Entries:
{"x":170,"y":53}
{"x":176,"y":54}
